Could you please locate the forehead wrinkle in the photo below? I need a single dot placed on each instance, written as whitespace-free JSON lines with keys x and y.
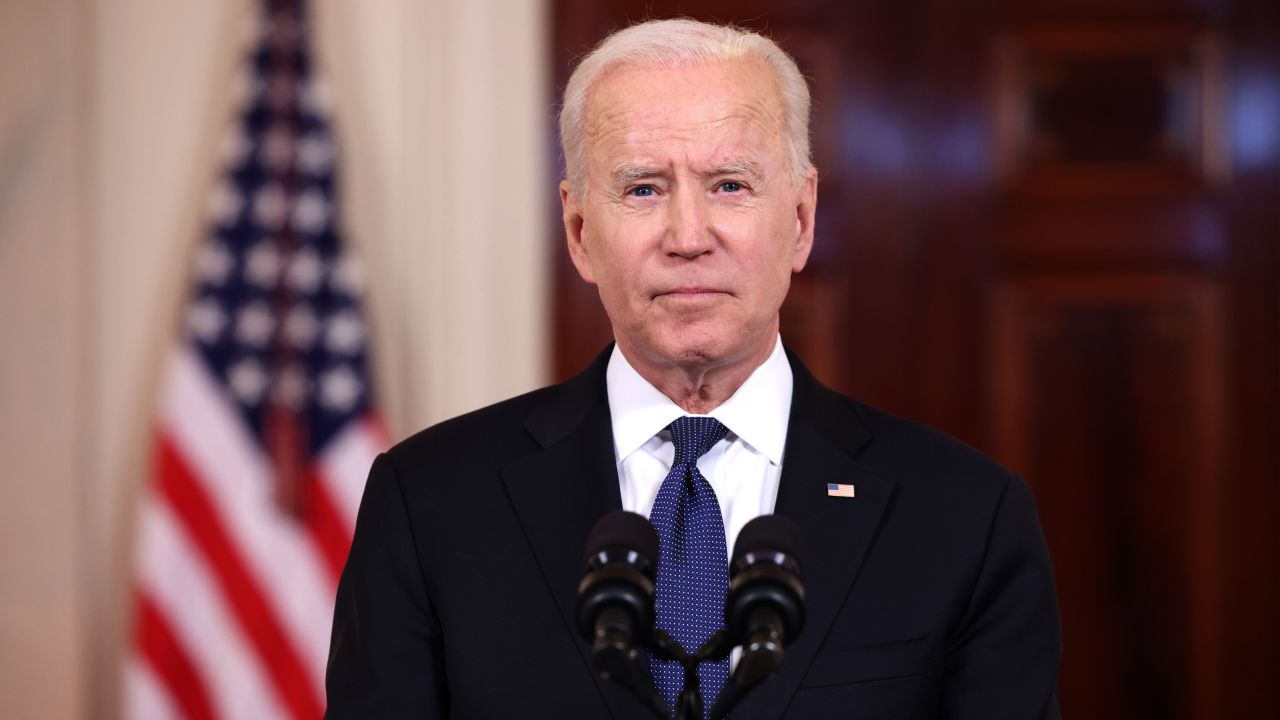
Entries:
{"x":619,"y":130}
{"x":603,"y":119}
{"x":642,"y":132}
{"x":634,"y":146}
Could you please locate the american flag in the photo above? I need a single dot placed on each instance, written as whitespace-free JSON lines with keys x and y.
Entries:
{"x":265,"y":427}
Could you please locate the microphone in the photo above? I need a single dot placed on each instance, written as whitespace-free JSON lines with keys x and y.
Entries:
{"x":764,"y":611}
{"x":615,"y":602}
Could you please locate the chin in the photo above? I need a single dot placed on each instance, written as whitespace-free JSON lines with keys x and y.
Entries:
{"x":701,"y":351}
{"x":704,"y":343}
{"x":695,"y":357}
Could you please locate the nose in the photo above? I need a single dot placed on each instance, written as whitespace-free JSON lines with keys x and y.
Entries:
{"x":688,"y":232}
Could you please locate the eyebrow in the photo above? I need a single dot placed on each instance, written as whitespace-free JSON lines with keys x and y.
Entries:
{"x":739,"y":167}
{"x":625,"y":174}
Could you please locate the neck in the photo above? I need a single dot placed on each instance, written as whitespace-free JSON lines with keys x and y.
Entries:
{"x":699,"y":388}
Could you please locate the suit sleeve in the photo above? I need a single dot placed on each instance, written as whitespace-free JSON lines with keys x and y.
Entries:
{"x":1003,"y":660}
{"x":386,"y":652}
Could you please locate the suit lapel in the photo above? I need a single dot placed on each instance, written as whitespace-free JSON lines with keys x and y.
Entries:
{"x":560,"y":493}
{"x":824,"y":436}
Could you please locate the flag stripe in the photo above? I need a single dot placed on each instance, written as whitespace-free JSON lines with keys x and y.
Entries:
{"x":283,"y":557}
{"x":346,"y":464}
{"x":178,"y":581}
{"x":146,"y":696}
{"x":167,"y":657}
{"x":280,"y":659}
{"x":332,"y":537}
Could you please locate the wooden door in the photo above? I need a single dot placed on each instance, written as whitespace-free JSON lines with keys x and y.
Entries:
{"x":1051,"y":229}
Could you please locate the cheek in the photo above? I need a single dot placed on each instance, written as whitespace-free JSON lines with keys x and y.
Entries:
{"x":775,"y":250}
{"x":613,"y":273}
{"x":618,"y":255}
{"x":768,"y":273}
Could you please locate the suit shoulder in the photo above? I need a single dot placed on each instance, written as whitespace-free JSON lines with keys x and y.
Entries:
{"x":916,"y":456}
{"x":490,"y":438}
{"x":491,"y":433}
{"x":915,"y":452}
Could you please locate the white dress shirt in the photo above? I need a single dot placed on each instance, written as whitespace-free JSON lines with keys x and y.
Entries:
{"x":743,"y":468}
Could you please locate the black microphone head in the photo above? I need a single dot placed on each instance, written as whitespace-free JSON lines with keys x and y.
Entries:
{"x":620,"y":564}
{"x":622,"y":530}
{"x":765,"y":576}
{"x":769,"y":534}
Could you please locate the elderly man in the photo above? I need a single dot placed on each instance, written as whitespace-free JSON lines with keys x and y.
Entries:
{"x":689,"y":202}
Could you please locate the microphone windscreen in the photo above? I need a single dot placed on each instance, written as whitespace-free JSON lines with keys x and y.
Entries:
{"x":769,"y":533}
{"x":622,"y":529}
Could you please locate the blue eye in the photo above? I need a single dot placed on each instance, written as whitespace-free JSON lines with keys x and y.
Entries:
{"x":642,"y":191}
{"x":730,"y":186}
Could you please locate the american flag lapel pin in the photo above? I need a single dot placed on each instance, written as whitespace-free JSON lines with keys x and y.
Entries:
{"x":836,"y":490}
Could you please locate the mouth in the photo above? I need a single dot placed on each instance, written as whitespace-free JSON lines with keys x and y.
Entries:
{"x":690,"y":293}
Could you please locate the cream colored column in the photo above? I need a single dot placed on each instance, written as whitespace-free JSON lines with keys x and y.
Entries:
{"x":41,"y":340}
{"x":159,"y":82}
{"x":444,"y":122}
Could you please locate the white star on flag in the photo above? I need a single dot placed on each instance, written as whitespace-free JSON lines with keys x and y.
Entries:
{"x":225,"y":204}
{"x":305,"y":271}
{"x":339,"y":388}
{"x":247,"y":380}
{"x":263,"y":265}
{"x":214,"y":263}
{"x":344,"y":333}
{"x":206,"y":320}
{"x":315,"y":154}
{"x":348,"y":276}
{"x":254,"y":324}
{"x":310,"y":212}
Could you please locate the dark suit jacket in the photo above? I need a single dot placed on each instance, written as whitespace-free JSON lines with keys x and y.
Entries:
{"x":930,"y":594}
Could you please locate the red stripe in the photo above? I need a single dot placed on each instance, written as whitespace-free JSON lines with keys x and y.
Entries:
{"x":193,"y":507}
{"x":162,"y":650}
{"x":377,"y":429}
{"x":325,"y":521}
{"x":326,"y":525}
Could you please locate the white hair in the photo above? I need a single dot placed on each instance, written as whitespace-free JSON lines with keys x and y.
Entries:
{"x":683,"y":43}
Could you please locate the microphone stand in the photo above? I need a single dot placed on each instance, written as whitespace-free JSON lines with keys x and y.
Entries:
{"x":630,"y":669}
{"x":616,"y":659}
{"x":761,"y":656}
{"x":689,"y":703}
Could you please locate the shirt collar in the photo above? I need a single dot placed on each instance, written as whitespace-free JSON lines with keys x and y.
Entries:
{"x":757,"y":413}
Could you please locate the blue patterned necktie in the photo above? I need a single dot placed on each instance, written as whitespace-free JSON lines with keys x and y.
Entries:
{"x":693,"y":564}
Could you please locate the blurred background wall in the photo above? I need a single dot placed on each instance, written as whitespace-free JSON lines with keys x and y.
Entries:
{"x":1049,"y":227}
{"x":111,"y":117}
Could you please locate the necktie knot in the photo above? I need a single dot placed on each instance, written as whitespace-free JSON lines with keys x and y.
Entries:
{"x":694,"y":436}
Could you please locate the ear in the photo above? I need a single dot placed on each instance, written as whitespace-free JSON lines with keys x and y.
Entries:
{"x":806,"y":208}
{"x":571,"y":214}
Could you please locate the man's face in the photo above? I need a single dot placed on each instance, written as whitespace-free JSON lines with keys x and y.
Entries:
{"x":691,"y":223}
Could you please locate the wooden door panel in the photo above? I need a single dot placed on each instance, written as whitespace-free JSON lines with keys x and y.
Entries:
{"x":1110,"y":399}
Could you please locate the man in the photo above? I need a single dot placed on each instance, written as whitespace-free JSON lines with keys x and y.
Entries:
{"x":689,"y":202}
